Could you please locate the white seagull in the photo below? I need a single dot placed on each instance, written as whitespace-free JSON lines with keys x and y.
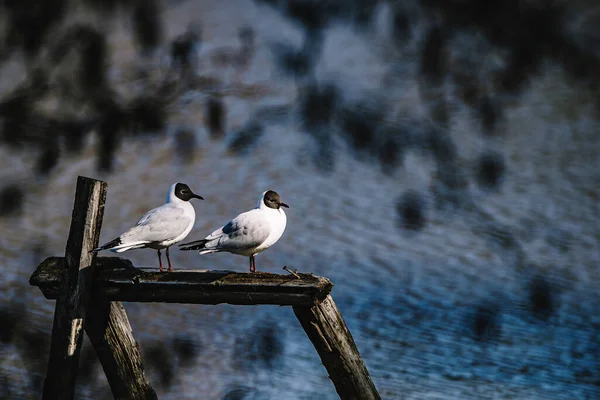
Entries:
{"x":249,"y":233}
{"x":160,"y":227}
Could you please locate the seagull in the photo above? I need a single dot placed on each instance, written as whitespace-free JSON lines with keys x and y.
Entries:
{"x":160,"y":227}
{"x":249,"y":233}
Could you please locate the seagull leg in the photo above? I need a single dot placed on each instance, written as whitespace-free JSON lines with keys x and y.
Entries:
{"x":169,"y":261}
{"x":252,"y":264}
{"x":160,"y":261}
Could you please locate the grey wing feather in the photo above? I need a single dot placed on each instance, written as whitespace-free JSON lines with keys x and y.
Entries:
{"x":245,"y":231}
{"x":162,"y":223}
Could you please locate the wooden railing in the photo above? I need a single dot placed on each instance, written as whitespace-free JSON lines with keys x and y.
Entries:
{"x":89,"y":291}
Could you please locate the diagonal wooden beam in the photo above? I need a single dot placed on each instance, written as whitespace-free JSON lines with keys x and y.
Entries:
{"x":328,"y":332}
{"x":108,"y":329}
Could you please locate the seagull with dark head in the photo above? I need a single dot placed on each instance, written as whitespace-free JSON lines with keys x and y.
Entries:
{"x":249,"y":233}
{"x":160,"y":227}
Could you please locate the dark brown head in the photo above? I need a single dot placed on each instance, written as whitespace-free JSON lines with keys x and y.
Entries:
{"x":271,"y":199}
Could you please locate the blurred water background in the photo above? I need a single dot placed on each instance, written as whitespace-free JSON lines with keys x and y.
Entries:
{"x":440,"y":158}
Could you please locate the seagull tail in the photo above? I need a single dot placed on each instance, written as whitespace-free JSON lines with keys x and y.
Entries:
{"x":196,"y":245}
{"x":113,"y":243}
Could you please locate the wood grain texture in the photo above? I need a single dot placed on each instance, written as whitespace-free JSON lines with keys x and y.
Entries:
{"x":74,"y":289}
{"x":118,"y":280}
{"x":329,"y":334}
{"x":108,"y":329}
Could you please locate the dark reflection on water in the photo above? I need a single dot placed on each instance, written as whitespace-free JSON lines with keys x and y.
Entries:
{"x":160,"y":360}
{"x":243,"y":393}
{"x":187,"y":349}
{"x":11,"y":200}
{"x":263,"y":346}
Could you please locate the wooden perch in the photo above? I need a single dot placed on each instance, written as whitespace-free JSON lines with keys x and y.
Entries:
{"x":118,"y":280}
{"x":89,"y":289}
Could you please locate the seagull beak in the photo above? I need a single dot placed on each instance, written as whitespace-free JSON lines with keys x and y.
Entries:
{"x":194,"y":195}
{"x":283,"y":205}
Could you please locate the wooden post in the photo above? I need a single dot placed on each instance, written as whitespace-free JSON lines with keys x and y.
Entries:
{"x":109,"y":331}
{"x":69,"y":314}
{"x":327,"y":331}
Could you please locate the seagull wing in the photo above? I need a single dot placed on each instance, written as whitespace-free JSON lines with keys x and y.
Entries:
{"x":246,"y":231}
{"x":162,"y":223}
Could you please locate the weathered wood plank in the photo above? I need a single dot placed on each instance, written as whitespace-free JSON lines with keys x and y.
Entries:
{"x":327,"y":331}
{"x":71,"y":303}
{"x":109,"y":331}
{"x":118,"y":280}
